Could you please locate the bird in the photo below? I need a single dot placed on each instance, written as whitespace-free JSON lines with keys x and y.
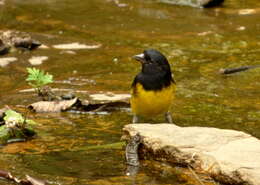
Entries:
{"x":153,"y":89}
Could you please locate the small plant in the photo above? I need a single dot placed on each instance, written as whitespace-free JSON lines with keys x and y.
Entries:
{"x":15,"y":127}
{"x":38,"y":79}
{"x":15,"y":119}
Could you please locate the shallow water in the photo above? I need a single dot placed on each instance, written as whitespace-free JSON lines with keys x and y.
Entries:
{"x":197,"y":42}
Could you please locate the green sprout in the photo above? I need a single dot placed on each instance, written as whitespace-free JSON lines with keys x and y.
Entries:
{"x":16,"y":118}
{"x":15,"y":127}
{"x":38,"y":78}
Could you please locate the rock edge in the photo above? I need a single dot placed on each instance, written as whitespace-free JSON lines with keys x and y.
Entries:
{"x":228,"y":156}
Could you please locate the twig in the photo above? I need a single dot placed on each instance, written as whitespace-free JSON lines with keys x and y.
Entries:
{"x":237,"y":69}
{"x":25,"y":117}
{"x":102,"y":107}
{"x":195,"y":175}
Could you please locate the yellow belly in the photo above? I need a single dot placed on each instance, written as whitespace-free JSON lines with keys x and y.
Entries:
{"x":149,"y":103}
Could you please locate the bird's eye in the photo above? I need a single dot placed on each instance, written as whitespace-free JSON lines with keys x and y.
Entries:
{"x":147,"y":58}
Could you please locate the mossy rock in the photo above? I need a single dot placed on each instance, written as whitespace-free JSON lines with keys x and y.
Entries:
{"x":14,"y":127}
{"x":8,"y":135}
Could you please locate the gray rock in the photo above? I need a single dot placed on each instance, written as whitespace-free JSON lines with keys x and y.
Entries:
{"x":3,"y":48}
{"x":228,"y":156}
{"x":17,"y":39}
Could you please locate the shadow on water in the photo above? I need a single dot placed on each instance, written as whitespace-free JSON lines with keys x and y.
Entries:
{"x":198,"y":42}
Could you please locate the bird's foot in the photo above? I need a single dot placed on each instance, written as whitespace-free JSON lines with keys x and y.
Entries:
{"x":168,"y":117}
{"x":135,"y":119}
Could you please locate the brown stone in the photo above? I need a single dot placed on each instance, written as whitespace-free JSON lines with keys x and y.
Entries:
{"x":228,"y":156}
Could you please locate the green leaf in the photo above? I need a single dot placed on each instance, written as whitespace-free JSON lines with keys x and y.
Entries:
{"x":16,"y":117}
{"x":38,"y":78}
{"x":11,"y":115}
{"x":2,"y":128}
{"x":30,"y":122}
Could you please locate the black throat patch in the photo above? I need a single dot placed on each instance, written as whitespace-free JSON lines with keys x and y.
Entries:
{"x":153,"y":82}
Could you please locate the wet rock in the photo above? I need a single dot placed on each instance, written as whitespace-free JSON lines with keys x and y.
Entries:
{"x":20,"y":40}
{"x":3,"y":48}
{"x":14,"y":127}
{"x":131,"y":151}
{"x":195,"y":3}
{"x":76,"y":45}
{"x":228,"y":156}
{"x":109,"y":96}
{"x":6,"y":60}
{"x":68,"y":96}
{"x":37,"y":60}
{"x":247,"y":11}
{"x":210,"y":3}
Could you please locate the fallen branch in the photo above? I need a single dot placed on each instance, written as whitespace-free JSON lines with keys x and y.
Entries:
{"x":27,"y":181}
{"x":195,"y":175}
{"x":76,"y":105}
{"x":237,"y":69}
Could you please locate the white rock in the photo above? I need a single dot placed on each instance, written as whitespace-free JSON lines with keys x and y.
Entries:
{"x":246,"y":11}
{"x":109,"y":97}
{"x":241,"y":28}
{"x":76,"y":45}
{"x":229,"y":156}
{"x":37,"y":60}
{"x":43,"y":47}
{"x":7,"y":60}
{"x":68,"y":52}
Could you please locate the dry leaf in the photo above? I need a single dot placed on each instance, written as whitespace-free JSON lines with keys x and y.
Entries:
{"x":35,"y":181}
{"x":52,"y":106}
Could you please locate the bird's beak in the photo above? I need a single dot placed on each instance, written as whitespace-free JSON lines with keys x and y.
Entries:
{"x":139,"y":58}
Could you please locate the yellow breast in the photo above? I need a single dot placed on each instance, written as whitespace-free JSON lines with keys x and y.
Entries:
{"x":149,"y":103}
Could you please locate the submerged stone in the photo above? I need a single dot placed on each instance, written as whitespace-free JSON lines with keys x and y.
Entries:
{"x":37,"y":60}
{"x":9,"y":135}
{"x":6,"y":60}
{"x":3,"y":48}
{"x":76,"y":45}
{"x":14,"y":127}
{"x":228,"y":156}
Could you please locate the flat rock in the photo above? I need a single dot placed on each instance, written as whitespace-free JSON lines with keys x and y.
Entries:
{"x":228,"y":156}
{"x":17,"y":39}
{"x":76,"y":45}
{"x":37,"y":60}
{"x":109,"y":97}
{"x":6,"y":60}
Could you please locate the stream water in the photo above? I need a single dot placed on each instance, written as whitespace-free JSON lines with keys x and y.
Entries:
{"x":198,"y":43}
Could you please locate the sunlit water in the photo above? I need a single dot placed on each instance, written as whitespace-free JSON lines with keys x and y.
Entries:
{"x":197,"y":42}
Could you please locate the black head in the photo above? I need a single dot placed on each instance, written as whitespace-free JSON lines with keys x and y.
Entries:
{"x":153,"y":61}
{"x":156,"y":71}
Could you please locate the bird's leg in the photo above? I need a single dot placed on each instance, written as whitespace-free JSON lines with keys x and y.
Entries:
{"x":168,"y":117}
{"x":135,"y":119}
